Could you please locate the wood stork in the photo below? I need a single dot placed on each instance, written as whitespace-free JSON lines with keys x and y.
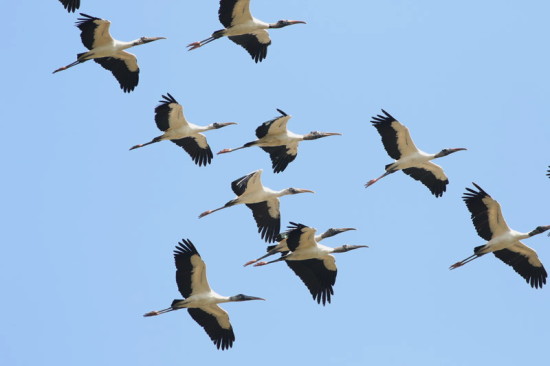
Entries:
{"x":263,"y":202}
{"x":170,"y":119}
{"x":502,"y":241}
{"x":108,"y":52}
{"x":70,"y":5}
{"x":548,"y":172}
{"x":282,"y":247}
{"x":243,"y":29}
{"x":200,"y":300}
{"x":411,"y":160}
{"x":311,"y":261}
{"x":280,"y":143}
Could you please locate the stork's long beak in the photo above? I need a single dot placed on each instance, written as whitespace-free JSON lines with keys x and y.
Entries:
{"x":457,"y":149}
{"x":324,"y":134}
{"x":352,"y":247}
{"x":291,"y":22}
{"x":151,"y":39}
{"x":253,"y":298}
{"x":223,"y":124}
{"x":299,"y":190}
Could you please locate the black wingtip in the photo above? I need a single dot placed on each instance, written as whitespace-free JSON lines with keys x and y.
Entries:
{"x":281,"y":111}
{"x":167,"y":99}
{"x":185,"y":246}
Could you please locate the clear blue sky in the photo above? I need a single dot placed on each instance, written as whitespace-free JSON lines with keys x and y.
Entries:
{"x":88,"y":227}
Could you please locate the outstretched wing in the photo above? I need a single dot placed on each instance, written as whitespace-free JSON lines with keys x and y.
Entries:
{"x":169,"y":114}
{"x":124,"y":68}
{"x":94,"y":31}
{"x":318,"y":275}
{"x":255,"y":43}
{"x":281,"y":156}
{"x":250,"y":182}
{"x":431,"y":175}
{"x":215,"y":322}
{"x":234,"y":12}
{"x":395,"y":136}
{"x":525,"y":262}
{"x":268,"y":218}
{"x":190,"y":270}
{"x":197,"y":147}
{"x":486,"y":213}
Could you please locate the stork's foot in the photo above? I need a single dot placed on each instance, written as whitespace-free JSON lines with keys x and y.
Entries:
{"x":194,"y":45}
{"x":260,"y":264}
{"x":60,"y":69}
{"x":370,"y":182}
{"x":152,"y":313}
{"x":249,"y":263}
{"x":205,"y":213}
{"x":456,"y":265}
{"x":224,"y":151}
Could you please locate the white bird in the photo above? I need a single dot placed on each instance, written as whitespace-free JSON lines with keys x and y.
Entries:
{"x":200,"y":300}
{"x":70,"y":5}
{"x":280,"y":143}
{"x":282,"y":246}
{"x":311,"y":261}
{"x":502,"y":241}
{"x":243,"y":29}
{"x":108,"y":52}
{"x":170,"y":119}
{"x":412,"y":161}
{"x":263,"y":201}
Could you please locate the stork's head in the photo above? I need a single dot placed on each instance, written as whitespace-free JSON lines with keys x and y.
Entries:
{"x":446,"y":152}
{"x":314,"y":135}
{"x":144,"y":40}
{"x":284,"y":23}
{"x":241,"y":297}
{"x":540,"y":230}
{"x":217,"y":125}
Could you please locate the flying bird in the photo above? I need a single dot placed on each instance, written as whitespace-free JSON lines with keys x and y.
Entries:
{"x":548,"y":172}
{"x":412,"y":161}
{"x":263,"y":202}
{"x":282,"y":247}
{"x":108,"y":52}
{"x":70,"y":5}
{"x":502,"y":241}
{"x":200,"y":300}
{"x":280,"y":143}
{"x":243,"y":29}
{"x":311,"y":261}
{"x":170,"y":119}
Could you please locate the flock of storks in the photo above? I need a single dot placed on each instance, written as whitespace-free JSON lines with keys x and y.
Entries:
{"x":298,"y":245}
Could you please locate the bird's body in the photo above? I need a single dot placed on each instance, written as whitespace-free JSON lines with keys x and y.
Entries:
{"x":108,"y":52}
{"x":282,"y":247}
{"x":70,"y":5}
{"x":311,"y":261}
{"x":243,"y":29}
{"x":280,"y":143}
{"x":502,"y":241}
{"x":263,"y":201}
{"x":200,"y":300}
{"x":170,"y":119}
{"x":408,"y":158}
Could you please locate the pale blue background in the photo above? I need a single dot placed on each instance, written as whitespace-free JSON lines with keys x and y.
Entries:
{"x":88,"y":227}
